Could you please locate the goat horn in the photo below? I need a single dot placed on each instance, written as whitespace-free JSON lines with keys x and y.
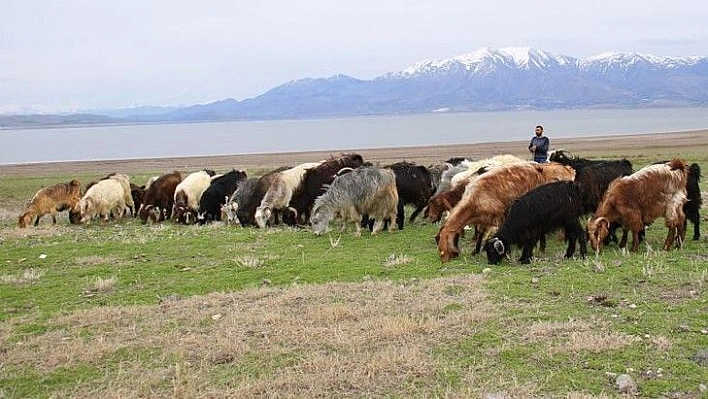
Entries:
{"x":498,"y":246}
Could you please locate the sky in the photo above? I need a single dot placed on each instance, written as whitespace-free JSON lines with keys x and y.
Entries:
{"x":68,"y":56}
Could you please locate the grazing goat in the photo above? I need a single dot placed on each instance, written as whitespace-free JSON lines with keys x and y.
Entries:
{"x":127,"y":192}
{"x":363,"y":191}
{"x":540,"y":211}
{"x":595,"y":175}
{"x":487,"y":199}
{"x":104,"y":199}
{"x":280,"y":192}
{"x":250,"y":195}
{"x":638,"y":199}
{"x":49,"y":201}
{"x":159,"y":197}
{"x":216,"y":195}
{"x":315,"y":181}
{"x":187,"y":195}
{"x":694,"y":201}
{"x":138,"y":195}
{"x":415,"y":187}
{"x":478,"y":167}
{"x":444,"y":201}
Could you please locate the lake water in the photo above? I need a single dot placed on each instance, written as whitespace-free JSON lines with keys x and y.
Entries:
{"x":224,"y":138}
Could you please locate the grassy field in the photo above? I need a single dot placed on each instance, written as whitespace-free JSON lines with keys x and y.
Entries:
{"x":131,"y":310}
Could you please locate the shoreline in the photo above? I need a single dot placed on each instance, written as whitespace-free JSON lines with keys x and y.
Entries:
{"x":674,"y":144}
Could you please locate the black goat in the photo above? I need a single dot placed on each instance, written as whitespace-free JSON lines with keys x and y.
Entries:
{"x":692,"y":207}
{"x":415,"y":186}
{"x":536,"y":213}
{"x":216,"y":194}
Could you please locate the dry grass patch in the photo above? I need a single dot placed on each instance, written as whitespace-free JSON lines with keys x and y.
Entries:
{"x":99,"y":284}
{"x":395,"y":260}
{"x":576,"y":336}
{"x":250,"y":262}
{"x":93,"y":260}
{"x":45,"y":229}
{"x":335,"y":339}
{"x":28,"y":276}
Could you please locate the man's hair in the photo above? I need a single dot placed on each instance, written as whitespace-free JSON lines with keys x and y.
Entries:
{"x":539,"y":127}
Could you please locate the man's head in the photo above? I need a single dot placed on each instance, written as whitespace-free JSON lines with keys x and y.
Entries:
{"x":539,"y":130}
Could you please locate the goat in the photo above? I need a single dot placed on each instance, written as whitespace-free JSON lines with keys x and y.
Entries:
{"x":187,"y":195}
{"x":280,"y":192}
{"x":654,"y":191}
{"x":316,"y":179}
{"x":487,"y":198}
{"x":159,"y":197}
{"x":217,"y":194}
{"x":536,"y":213}
{"x":363,"y":191}
{"x":415,"y":187}
{"x":50,"y":200}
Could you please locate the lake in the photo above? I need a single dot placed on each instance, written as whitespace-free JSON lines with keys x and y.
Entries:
{"x":19,"y":146}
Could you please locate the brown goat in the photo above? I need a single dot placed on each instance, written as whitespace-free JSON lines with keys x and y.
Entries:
{"x":51,"y":200}
{"x":159,"y":193}
{"x":444,"y":201}
{"x":652,"y":192}
{"x":487,"y":199}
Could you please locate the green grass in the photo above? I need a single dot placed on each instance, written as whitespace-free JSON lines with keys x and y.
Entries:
{"x":559,"y":326}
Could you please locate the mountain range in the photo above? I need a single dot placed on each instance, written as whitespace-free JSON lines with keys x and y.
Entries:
{"x":485,"y":80}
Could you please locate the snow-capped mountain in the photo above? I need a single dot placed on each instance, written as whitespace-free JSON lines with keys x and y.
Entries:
{"x":486,"y":79}
{"x":488,"y":61}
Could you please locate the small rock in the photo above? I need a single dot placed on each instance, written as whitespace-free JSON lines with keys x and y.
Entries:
{"x":534,"y":280}
{"x":43,"y":256}
{"x":632,"y":306}
{"x":625,"y":384}
{"x":685,"y":327}
{"x":704,"y":331}
{"x":216,"y":316}
{"x":486,"y":270}
{"x":703,"y":388}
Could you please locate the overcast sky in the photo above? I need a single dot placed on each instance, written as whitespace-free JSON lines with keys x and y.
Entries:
{"x":90,"y":54}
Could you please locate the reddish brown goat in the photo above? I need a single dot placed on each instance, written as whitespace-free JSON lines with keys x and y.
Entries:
{"x":487,"y":199}
{"x":159,"y":197}
{"x":652,"y":192}
{"x":51,"y":200}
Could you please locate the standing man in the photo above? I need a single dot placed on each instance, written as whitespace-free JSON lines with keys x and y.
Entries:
{"x":539,"y":145}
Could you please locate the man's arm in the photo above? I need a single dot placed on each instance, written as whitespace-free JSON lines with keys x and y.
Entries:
{"x":545,"y":145}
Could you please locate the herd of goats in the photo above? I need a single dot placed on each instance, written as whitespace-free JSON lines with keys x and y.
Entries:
{"x":506,"y":200}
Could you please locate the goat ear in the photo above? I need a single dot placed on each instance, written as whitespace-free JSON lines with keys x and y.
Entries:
{"x":602,"y":221}
{"x":498,"y":246}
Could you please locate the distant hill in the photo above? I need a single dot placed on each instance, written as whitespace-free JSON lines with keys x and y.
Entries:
{"x":485,"y":80}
